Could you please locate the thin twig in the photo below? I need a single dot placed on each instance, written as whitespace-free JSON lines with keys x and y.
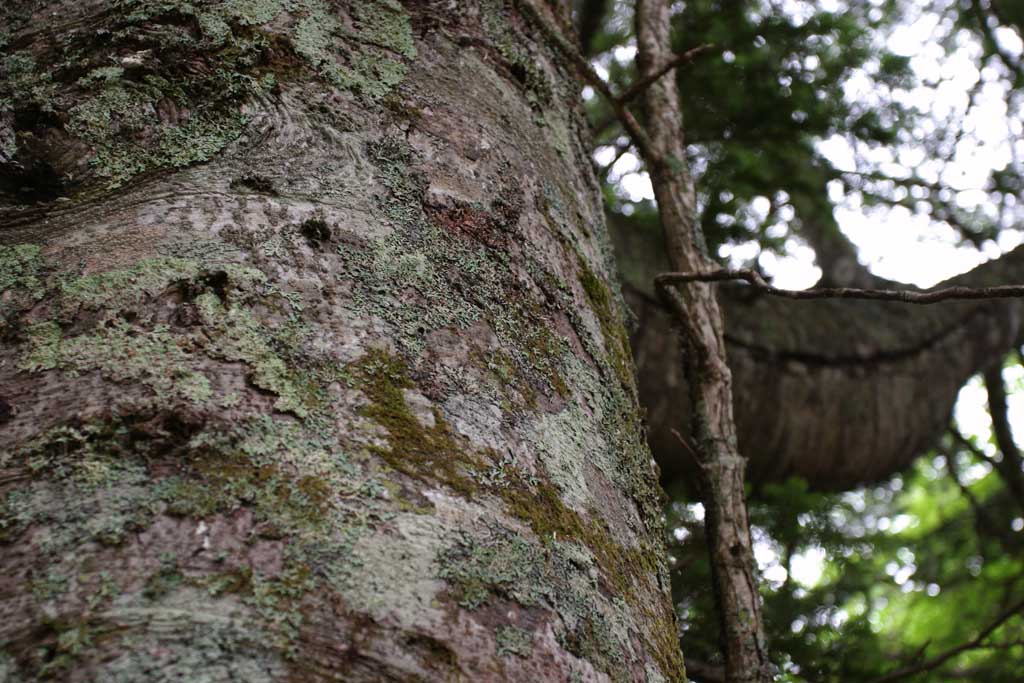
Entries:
{"x":688,"y":447}
{"x":962,"y":439}
{"x":941,"y":659}
{"x":902,"y":295}
{"x":679,"y":60}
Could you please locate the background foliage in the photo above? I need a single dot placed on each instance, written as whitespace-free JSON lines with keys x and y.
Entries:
{"x":799,"y":111}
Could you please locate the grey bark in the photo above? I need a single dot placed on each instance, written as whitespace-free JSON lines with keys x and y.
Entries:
{"x":312,"y":364}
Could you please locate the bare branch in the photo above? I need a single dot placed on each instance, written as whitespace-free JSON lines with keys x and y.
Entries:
{"x":696,"y":309}
{"x":902,"y":295}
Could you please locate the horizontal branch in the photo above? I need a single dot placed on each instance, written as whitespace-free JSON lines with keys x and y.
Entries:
{"x":902,"y":295}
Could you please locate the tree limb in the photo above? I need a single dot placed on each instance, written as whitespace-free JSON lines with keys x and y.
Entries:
{"x":902,"y":295}
{"x":1009,"y":467}
{"x":839,"y":392}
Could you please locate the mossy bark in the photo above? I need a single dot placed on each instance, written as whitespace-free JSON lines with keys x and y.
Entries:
{"x":313,"y":365}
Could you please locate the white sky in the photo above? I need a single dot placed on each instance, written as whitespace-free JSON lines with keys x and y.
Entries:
{"x":897,"y":244}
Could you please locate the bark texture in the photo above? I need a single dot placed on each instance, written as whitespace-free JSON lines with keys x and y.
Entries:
{"x":312,"y":363}
{"x":841,"y":393}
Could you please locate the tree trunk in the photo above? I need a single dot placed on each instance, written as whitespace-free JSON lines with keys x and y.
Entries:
{"x":841,"y":393}
{"x":312,"y":361}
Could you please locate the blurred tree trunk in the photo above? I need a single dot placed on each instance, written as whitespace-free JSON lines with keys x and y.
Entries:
{"x":840,"y":393}
{"x":313,"y":365}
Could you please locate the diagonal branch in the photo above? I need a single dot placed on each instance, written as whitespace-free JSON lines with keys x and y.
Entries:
{"x":1009,"y":467}
{"x":679,"y":60}
{"x":713,"y":426}
{"x":939,"y":660}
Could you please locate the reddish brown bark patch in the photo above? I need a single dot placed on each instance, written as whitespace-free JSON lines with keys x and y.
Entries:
{"x":474,"y":224}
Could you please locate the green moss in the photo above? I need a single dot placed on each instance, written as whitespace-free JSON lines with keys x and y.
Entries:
{"x":539,"y":504}
{"x":616,"y":341}
{"x":426,"y":453}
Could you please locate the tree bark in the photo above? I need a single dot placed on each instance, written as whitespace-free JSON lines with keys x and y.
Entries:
{"x":313,"y":366}
{"x":841,"y":393}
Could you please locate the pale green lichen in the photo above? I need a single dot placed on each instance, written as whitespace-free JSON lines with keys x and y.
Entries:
{"x":525,"y":69}
{"x":253,"y":12}
{"x":121,"y":352}
{"x":369,"y":60}
{"x":102,"y":495}
{"x":513,"y":641}
{"x":236,"y":336}
{"x":149,"y":277}
{"x":22,"y":81}
{"x":19,"y":269}
{"x":168,"y":359}
{"x":504,"y":565}
{"x":154,"y":109}
{"x":455,"y":282}
{"x":113,"y":118}
{"x":111,"y":478}
{"x":185,"y":637}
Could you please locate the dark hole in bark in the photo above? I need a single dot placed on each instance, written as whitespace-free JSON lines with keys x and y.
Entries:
{"x":256,"y":183}
{"x":519,"y":71}
{"x":316,"y":231}
{"x":217,"y":282}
